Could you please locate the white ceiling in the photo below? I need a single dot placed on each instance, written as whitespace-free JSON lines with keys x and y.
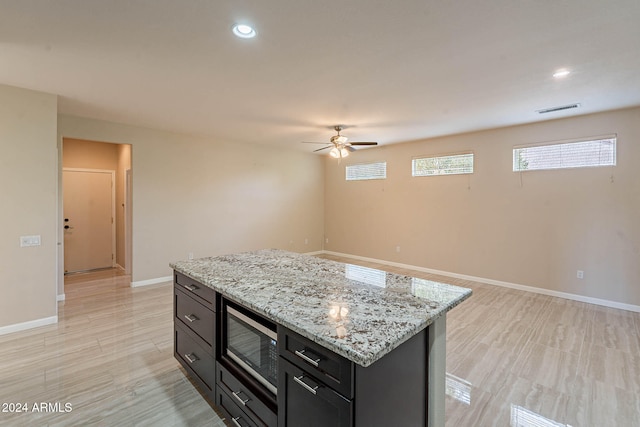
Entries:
{"x":390,"y":70}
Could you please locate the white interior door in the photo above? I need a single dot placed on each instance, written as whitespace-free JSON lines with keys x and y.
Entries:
{"x":89,"y":229}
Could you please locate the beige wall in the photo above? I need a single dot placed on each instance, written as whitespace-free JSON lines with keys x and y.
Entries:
{"x":124,"y":163}
{"x":28,"y":187}
{"x":535,"y":229}
{"x":211,"y":197}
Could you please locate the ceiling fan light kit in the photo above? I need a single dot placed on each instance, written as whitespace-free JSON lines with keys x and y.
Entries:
{"x":340,"y":147}
{"x":338,"y":153}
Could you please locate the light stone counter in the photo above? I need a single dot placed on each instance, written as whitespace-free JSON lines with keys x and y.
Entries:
{"x":357,"y":312}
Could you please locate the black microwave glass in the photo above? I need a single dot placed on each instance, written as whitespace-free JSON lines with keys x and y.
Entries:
{"x":251,"y":342}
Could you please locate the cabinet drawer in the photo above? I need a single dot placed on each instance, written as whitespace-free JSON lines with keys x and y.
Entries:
{"x":243,"y":396}
{"x":330,"y":368}
{"x":192,"y":287}
{"x":195,"y":316}
{"x":235,"y":415}
{"x":303,"y":400}
{"x":194,"y":356}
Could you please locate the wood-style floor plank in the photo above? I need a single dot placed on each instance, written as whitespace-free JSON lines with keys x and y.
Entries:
{"x":513,"y":359}
{"x":110,"y":356}
{"x":520,"y":359}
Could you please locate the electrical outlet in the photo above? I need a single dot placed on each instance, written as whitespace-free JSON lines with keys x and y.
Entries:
{"x":398,"y":249}
{"x":190,"y":255}
{"x":580,"y":274}
{"x":306,"y":241}
{"x":326,"y":240}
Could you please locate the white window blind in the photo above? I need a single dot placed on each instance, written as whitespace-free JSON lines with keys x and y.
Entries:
{"x":453,"y":164}
{"x":572,"y":154}
{"x":365,"y":171}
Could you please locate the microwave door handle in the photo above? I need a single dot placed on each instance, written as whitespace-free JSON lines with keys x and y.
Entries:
{"x":268,"y":332}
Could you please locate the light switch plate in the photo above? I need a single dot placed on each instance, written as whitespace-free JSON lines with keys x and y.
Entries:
{"x":29,"y":241}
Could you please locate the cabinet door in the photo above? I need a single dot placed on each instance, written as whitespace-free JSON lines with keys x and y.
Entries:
{"x":232,"y":412}
{"x":195,"y":316}
{"x":191,"y":354}
{"x":330,"y":368}
{"x":305,"y":401}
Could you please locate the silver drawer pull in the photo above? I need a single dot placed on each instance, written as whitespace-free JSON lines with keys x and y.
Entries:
{"x":236,"y":421}
{"x":191,"y":287}
{"x":242,"y":401}
{"x":305,"y":385}
{"x":190,"y":317}
{"x":300,"y":353}
{"x":191,"y":357}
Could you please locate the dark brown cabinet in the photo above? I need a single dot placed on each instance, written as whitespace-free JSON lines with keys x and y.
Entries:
{"x":319,"y":388}
{"x":306,"y":401}
{"x":315,"y":386}
{"x":195,"y":358}
{"x":238,"y":399}
{"x":321,"y":363}
{"x":236,"y":416}
{"x":194,"y":331}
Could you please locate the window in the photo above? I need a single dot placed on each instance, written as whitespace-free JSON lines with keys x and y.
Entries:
{"x":367,"y":171}
{"x":561,"y":155}
{"x":443,"y":165}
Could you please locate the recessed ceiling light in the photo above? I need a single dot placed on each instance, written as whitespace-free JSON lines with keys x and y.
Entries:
{"x":244,"y":31}
{"x":561,"y":73}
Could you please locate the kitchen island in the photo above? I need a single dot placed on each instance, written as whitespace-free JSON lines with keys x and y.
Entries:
{"x":367,"y":344}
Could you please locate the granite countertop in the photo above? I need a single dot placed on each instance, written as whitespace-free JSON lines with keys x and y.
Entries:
{"x":358,"y":312}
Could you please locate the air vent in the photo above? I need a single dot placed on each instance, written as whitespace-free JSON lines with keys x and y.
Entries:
{"x":554,"y":109}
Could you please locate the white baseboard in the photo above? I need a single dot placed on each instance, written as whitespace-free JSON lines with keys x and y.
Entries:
{"x":61,"y":297}
{"x":151,"y":281}
{"x":314,"y":253}
{"x":565,"y":295}
{"x":28,"y":325}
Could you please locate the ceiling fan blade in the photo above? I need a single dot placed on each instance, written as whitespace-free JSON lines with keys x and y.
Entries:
{"x":323,"y":148}
{"x":350,"y":148}
{"x":363,"y":143}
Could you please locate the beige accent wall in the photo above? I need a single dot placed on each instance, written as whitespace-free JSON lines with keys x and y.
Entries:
{"x":83,"y":154}
{"x":535,"y":229}
{"x":29,"y":191}
{"x":211,"y":197}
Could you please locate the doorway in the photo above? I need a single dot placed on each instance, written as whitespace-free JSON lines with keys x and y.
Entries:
{"x":89,"y":219}
{"x":96,"y":205}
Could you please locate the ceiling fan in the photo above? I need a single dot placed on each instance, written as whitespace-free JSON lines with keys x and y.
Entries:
{"x":339,"y":146}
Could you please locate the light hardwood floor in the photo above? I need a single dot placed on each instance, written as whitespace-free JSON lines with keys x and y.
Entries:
{"x":110,"y":356}
{"x":520,"y":359}
{"x":513,"y":359}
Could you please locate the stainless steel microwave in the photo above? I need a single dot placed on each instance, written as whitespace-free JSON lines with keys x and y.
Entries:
{"x":251,"y":342}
